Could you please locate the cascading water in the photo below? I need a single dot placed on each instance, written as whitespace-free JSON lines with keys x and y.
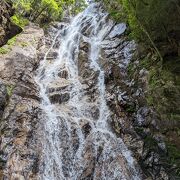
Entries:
{"x":77,"y":140}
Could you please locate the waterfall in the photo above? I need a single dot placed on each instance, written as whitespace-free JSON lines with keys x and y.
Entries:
{"x":77,"y":140}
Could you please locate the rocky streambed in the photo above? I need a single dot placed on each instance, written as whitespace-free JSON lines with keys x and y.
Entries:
{"x":69,"y":109}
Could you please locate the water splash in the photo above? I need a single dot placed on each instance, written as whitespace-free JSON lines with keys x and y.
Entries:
{"x":77,"y":140}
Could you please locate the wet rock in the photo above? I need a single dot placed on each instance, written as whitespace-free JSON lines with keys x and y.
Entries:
{"x":90,"y":159}
{"x":58,"y":25}
{"x":117,"y":30}
{"x":59,"y":98}
{"x":52,"y":55}
{"x":82,"y":148}
{"x":143,"y":116}
{"x":132,"y":119}
{"x":107,"y":44}
{"x":63,"y":74}
{"x":86,"y":127}
{"x":60,"y":85}
{"x":83,"y":59}
{"x":84,"y":46}
{"x":160,"y":141}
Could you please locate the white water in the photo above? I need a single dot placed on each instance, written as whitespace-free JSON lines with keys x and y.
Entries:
{"x":69,"y":152}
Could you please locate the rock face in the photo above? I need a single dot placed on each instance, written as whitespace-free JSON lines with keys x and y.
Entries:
{"x":7,"y":28}
{"x":62,"y":137}
{"x":131,"y":117}
{"x":19,"y":145}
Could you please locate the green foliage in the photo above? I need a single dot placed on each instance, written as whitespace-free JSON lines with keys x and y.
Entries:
{"x":162,"y":85}
{"x":150,"y":142}
{"x":174,"y":155}
{"x":45,"y":11}
{"x":130,"y":108}
{"x":77,"y":6}
{"x":162,"y":94}
{"x":19,"y":20}
{"x":155,"y":25}
{"x":12,"y":41}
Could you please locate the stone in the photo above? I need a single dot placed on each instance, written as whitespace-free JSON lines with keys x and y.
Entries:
{"x":117,"y":30}
{"x":143,"y":118}
{"x":59,"y":98}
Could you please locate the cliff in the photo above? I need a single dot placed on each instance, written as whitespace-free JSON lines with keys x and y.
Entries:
{"x":19,"y":105}
{"x":155,"y":66}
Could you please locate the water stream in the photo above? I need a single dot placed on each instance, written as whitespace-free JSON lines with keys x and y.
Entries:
{"x":77,"y":140}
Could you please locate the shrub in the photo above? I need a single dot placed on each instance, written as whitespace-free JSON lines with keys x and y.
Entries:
{"x":19,"y":20}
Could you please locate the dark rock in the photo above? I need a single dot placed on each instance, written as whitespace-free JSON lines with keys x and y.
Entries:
{"x":59,"y":98}
{"x":3,"y":98}
{"x":86,"y":128}
{"x":63,"y":74}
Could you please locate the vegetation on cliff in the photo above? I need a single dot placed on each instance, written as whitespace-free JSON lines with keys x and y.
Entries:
{"x":155,"y":25}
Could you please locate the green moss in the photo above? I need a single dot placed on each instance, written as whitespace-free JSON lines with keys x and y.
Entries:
{"x":150,"y":100}
{"x":130,"y":109}
{"x":24,"y":44}
{"x":130,"y":69}
{"x":150,"y":142}
{"x":162,"y":87}
{"x":10,"y":89}
{"x":146,"y":62}
{"x":174,"y":116}
{"x":12,"y":41}
{"x":5,"y":49}
{"x":139,"y":130}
